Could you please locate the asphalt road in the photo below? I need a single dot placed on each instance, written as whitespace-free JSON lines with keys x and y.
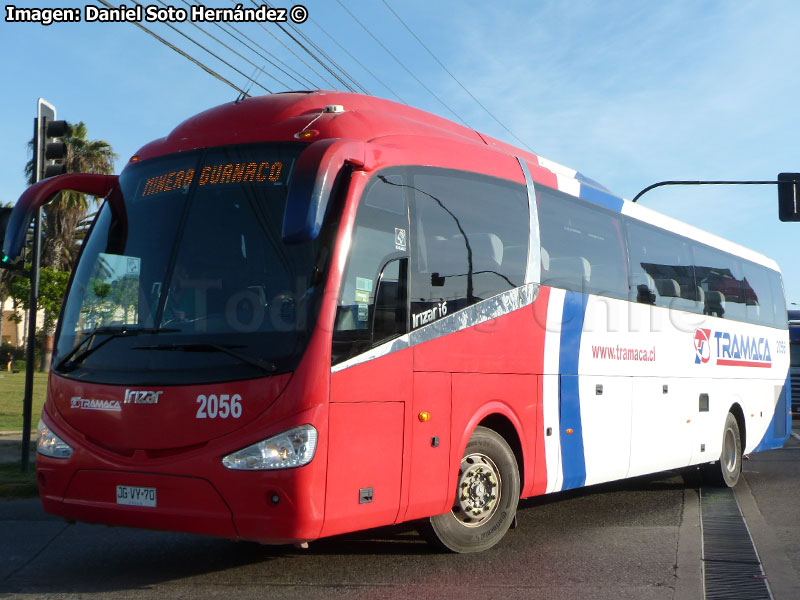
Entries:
{"x":638,"y":539}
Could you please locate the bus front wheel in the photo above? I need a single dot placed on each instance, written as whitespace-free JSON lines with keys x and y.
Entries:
{"x":486,"y":497}
{"x":726,"y":471}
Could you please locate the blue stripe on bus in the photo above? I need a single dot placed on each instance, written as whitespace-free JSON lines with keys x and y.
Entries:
{"x":780,"y":426}
{"x":573,"y":461}
{"x":595,"y":184}
{"x":606,"y":199}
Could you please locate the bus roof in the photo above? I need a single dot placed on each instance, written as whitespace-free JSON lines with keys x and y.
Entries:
{"x":278,"y":117}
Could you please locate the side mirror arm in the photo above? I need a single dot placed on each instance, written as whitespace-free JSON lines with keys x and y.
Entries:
{"x":42,"y":192}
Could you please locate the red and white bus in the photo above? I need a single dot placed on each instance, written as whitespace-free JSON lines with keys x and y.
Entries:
{"x":305,"y":314}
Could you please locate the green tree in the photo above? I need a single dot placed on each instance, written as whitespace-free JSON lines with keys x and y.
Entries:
{"x":52,"y":285}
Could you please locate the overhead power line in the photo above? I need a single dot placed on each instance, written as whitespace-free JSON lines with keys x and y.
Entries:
{"x":270,"y":58}
{"x":224,"y":45}
{"x":358,"y":62}
{"x":297,"y":56}
{"x":399,"y":62}
{"x":327,"y":57}
{"x":207,"y":69}
{"x":478,"y":102}
{"x":196,"y":43}
{"x":311,"y":54}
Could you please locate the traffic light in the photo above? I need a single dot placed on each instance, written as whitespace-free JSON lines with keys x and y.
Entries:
{"x":789,"y":196}
{"x":54,"y":150}
{"x":47,"y":147}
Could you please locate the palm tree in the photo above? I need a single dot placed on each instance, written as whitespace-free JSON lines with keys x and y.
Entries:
{"x":64,"y":215}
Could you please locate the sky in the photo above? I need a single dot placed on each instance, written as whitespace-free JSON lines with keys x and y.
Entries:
{"x":627,"y":92}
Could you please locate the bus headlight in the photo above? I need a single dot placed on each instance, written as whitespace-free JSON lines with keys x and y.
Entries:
{"x":292,"y":448}
{"x":50,"y":444}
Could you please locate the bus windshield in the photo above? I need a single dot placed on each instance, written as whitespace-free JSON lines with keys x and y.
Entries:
{"x":193,"y":283}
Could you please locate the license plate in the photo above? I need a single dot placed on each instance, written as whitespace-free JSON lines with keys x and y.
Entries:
{"x":136,"y":496}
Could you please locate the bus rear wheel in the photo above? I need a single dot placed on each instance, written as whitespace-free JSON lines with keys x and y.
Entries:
{"x":486,"y":496}
{"x":726,"y":471}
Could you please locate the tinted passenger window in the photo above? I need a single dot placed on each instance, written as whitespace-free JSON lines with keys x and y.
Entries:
{"x":778,"y":299}
{"x":760,"y":305}
{"x":661,"y":269}
{"x":379,"y":236}
{"x":583,"y":247}
{"x":719,"y":274}
{"x":470,"y":236}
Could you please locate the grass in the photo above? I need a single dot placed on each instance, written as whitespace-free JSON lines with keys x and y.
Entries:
{"x":12,"y":393}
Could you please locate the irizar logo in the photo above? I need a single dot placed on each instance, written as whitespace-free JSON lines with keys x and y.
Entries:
{"x":430,"y":315}
{"x":732,"y":350}
{"x":141,"y":397}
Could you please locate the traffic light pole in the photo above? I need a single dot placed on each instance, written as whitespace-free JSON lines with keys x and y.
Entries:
{"x":30,"y":360}
{"x":33,"y":303}
{"x":44,"y":126}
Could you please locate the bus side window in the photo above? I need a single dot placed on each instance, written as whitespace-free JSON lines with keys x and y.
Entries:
{"x":379,"y":240}
{"x":719,"y":274}
{"x":583,"y":246}
{"x":470,"y":240}
{"x":661,"y":269}
{"x":780,"y":315}
{"x":763,"y":293}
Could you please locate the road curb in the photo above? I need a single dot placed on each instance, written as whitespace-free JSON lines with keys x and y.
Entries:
{"x":18,"y":491}
{"x":689,"y":584}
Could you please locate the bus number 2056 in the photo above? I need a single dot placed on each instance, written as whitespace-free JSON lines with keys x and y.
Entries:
{"x":219,"y":407}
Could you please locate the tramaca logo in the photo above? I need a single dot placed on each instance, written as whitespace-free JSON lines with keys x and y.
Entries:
{"x":702,"y":346}
{"x":731,"y":350}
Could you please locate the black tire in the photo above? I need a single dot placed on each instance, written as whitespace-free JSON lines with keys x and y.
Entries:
{"x":486,"y":497}
{"x":726,"y":471}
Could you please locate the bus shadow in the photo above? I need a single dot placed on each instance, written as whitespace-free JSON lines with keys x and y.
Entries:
{"x":87,"y":559}
{"x":95,"y":559}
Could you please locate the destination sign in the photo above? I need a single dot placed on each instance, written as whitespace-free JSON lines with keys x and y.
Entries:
{"x":226,"y":173}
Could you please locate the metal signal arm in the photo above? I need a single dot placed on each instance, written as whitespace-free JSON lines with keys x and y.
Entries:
{"x":663,"y":183}
{"x":39,"y":194}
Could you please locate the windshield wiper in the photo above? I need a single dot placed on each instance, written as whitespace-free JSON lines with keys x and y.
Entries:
{"x":263,"y":365}
{"x":75,"y":355}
